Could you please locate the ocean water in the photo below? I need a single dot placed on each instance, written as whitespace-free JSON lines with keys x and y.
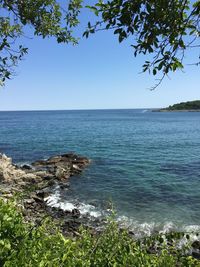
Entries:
{"x":147,"y":164}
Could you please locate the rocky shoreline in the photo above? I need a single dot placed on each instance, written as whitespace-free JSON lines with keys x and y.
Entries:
{"x":31,"y":184}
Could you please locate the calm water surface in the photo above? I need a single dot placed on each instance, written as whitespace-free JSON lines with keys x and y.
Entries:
{"x":146,"y":163}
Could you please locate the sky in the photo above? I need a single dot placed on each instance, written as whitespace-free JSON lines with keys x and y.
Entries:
{"x":99,"y":73}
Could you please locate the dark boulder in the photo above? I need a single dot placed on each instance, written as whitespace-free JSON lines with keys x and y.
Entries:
{"x":26,"y":167}
{"x":196,"y":244}
{"x":76,"y":213}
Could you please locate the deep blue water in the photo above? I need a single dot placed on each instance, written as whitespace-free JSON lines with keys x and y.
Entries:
{"x":146,"y":163}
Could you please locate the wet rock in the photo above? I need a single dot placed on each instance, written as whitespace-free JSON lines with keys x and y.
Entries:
{"x":196,"y":249}
{"x":131,"y":233}
{"x":26,"y":167}
{"x":42,"y":194}
{"x":61,"y":213}
{"x":196,"y":244}
{"x":53,"y":209}
{"x":76,"y":168}
{"x":64,"y":185}
{"x":76,"y":213}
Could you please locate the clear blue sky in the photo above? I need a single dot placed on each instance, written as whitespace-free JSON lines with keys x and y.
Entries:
{"x":99,"y":73}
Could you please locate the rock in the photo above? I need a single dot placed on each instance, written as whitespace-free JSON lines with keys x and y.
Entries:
{"x":9,"y":195}
{"x":62,"y":166}
{"x":62,"y":173}
{"x":51,"y":183}
{"x":63,"y":185}
{"x":54,"y":160}
{"x":196,"y":255}
{"x":42,"y":194}
{"x":38,"y":199}
{"x":76,"y":168}
{"x":76,"y":213}
{"x":196,"y":244}
{"x":5,"y":189}
{"x":39,"y":163}
{"x":26,"y":167}
{"x":152,"y":250}
{"x":70,"y":155}
{"x":81,"y":160}
{"x":60,"y":213}
{"x":43,"y":174}
{"x":29,"y":201}
{"x":21,"y":184}
{"x":9,"y":172}
{"x":39,"y":178}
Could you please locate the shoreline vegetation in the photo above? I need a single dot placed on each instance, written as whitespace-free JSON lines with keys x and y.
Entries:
{"x":35,"y":234}
{"x":189,"y":106}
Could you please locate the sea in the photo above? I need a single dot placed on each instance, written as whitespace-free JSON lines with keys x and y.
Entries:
{"x":145,"y":165}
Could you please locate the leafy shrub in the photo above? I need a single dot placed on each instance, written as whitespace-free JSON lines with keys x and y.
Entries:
{"x":25,"y":245}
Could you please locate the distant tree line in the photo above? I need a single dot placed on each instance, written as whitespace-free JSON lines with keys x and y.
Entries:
{"x":190,"y":105}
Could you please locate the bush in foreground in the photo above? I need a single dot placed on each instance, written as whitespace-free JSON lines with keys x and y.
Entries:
{"x":22,"y":244}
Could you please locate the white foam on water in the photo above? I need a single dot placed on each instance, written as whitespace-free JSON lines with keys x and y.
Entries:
{"x":147,"y":229}
{"x":167,"y":228}
{"x":89,"y":209}
{"x":55,"y":201}
{"x":139,"y":229}
{"x":192,"y":228}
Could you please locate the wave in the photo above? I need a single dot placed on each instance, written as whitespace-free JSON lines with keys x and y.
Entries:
{"x":85,"y":209}
{"x":132,"y":224}
{"x":148,"y":229}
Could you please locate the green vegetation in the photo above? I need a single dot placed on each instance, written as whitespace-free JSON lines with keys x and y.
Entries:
{"x":164,"y":29}
{"x":190,"y":105}
{"x":22,"y":244}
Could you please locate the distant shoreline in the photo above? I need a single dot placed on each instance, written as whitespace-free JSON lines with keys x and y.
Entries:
{"x":189,"y":106}
{"x":177,"y":110}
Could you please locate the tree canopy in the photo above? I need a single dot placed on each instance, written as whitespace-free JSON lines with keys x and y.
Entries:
{"x":48,"y":18}
{"x":189,"y":105}
{"x":164,"y":29}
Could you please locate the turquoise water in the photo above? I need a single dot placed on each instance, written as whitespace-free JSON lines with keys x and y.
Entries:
{"x":146,"y":163}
